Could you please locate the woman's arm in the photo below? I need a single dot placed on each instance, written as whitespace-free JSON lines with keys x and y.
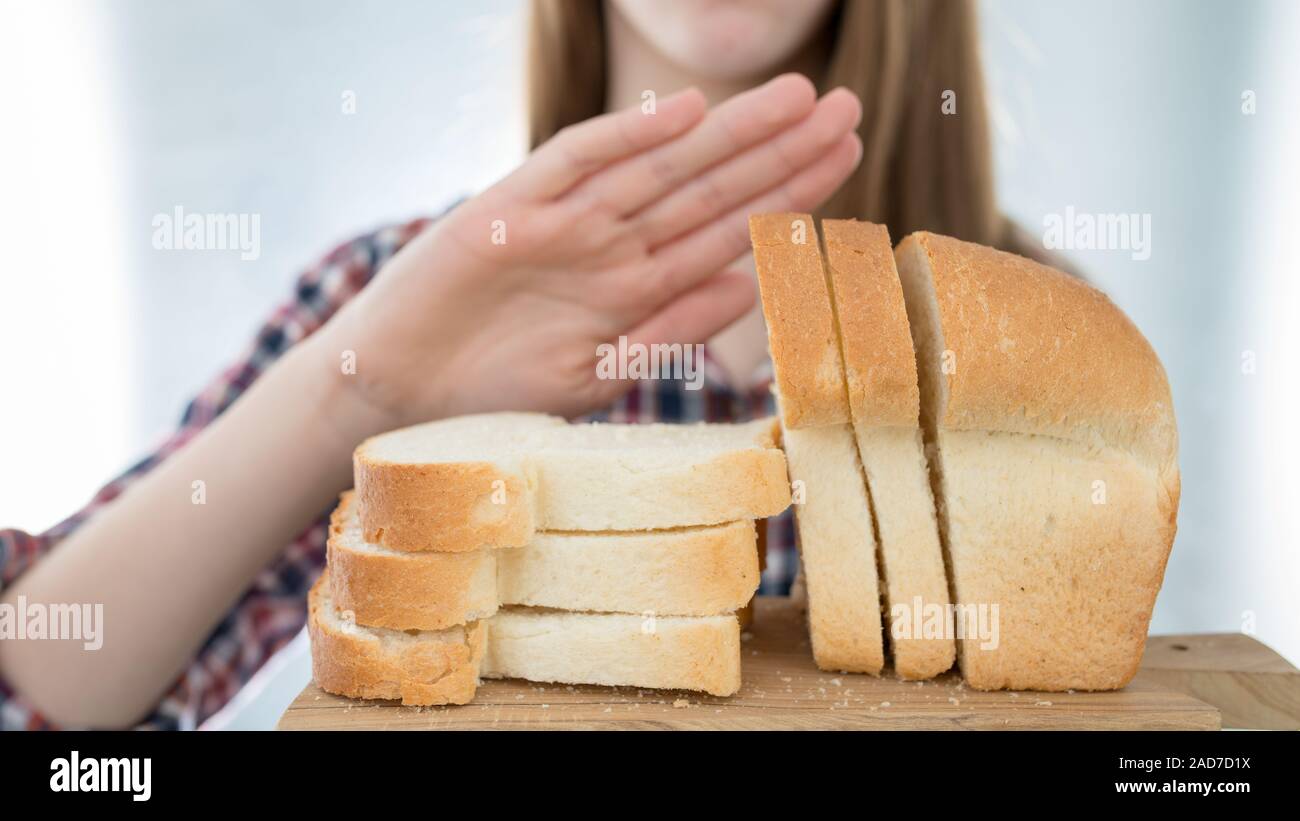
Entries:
{"x":617,"y":226}
{"x":168,"y":558}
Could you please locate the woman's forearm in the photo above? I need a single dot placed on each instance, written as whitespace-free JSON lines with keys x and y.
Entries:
{"x":169,"y":557}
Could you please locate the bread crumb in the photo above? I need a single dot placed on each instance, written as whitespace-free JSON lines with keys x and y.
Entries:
{"x":838,"y":682}
{"x":786,"y":679}
{"x":746,"y":636}
{"x":885,"y":704}
{"x":680,"y":703}
{"x":1042,"y":704}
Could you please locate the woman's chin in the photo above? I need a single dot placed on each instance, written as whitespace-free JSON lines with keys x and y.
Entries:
{"x":725,"y":41}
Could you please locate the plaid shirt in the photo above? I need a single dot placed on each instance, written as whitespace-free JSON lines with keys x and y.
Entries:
{"x":274,"y":607}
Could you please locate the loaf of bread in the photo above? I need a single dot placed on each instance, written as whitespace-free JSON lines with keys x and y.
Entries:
{"x":1019,"y":448}
{"x":1054,"y":445}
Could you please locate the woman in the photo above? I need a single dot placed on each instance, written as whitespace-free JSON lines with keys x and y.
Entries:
{"x":625,"y":223}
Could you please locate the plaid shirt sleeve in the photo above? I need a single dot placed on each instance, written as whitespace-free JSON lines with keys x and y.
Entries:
{"x":273,"y":609}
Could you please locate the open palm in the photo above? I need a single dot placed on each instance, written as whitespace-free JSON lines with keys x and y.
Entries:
{"x":621,"y":225}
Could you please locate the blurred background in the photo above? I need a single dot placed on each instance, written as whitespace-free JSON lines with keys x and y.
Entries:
{"x":117,"y":111}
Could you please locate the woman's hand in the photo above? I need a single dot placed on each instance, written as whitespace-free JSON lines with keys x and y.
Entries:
{"x":620,"y":225}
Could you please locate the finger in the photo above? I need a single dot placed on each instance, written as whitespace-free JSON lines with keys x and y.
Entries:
{"x":582,"y":149}
{"x":699,"y":313}
{"x":686,"y":261}
{"x":744,"y":177}
{"x":733,"y":126}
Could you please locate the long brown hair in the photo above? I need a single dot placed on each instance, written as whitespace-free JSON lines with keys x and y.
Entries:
{"x":921,"y":168}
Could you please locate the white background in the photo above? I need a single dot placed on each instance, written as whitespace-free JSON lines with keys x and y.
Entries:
{"x":117,"y":111}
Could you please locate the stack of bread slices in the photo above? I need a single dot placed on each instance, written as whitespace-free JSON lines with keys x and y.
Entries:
{"x":981,"y":447}
{"x":521,"y":546}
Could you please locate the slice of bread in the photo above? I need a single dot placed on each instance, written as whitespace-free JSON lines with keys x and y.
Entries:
{"x":1053,"y":447}
{"x":837,"y":549}
{"x":454,"y":485}
{"x":686,"y":571}
{"x":660,"y":652}
{"x":431,"y":667}
{"x":434,"y":667}
{"x":801,"y":324}
{"x":402,"y":590}
{"x":695,"y":571}
{"x":833,"y":517}
{"x":880,"y":372}
{"x":494,"y":480}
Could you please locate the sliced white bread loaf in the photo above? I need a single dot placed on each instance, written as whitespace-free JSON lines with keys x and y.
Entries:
{"x":833,"y":516}
{"x":1054,"y":449}
{"x":685,"y":571}
{"x":880,"y":373}
{"x":431,"y":667}
{"x":494,"y":480}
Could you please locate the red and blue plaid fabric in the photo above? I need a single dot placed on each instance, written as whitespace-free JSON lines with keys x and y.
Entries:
{"x":274,"y":608}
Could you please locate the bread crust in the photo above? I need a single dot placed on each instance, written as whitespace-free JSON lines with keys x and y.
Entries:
{"x":801,"y":334}
{"x":1040,"y":352}
{"x":443,"y":507}
{"x":358,"y":664}
{"x":879,"y":363}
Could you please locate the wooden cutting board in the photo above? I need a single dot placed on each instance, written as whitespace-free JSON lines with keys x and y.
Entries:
{"x":782,"y":689}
